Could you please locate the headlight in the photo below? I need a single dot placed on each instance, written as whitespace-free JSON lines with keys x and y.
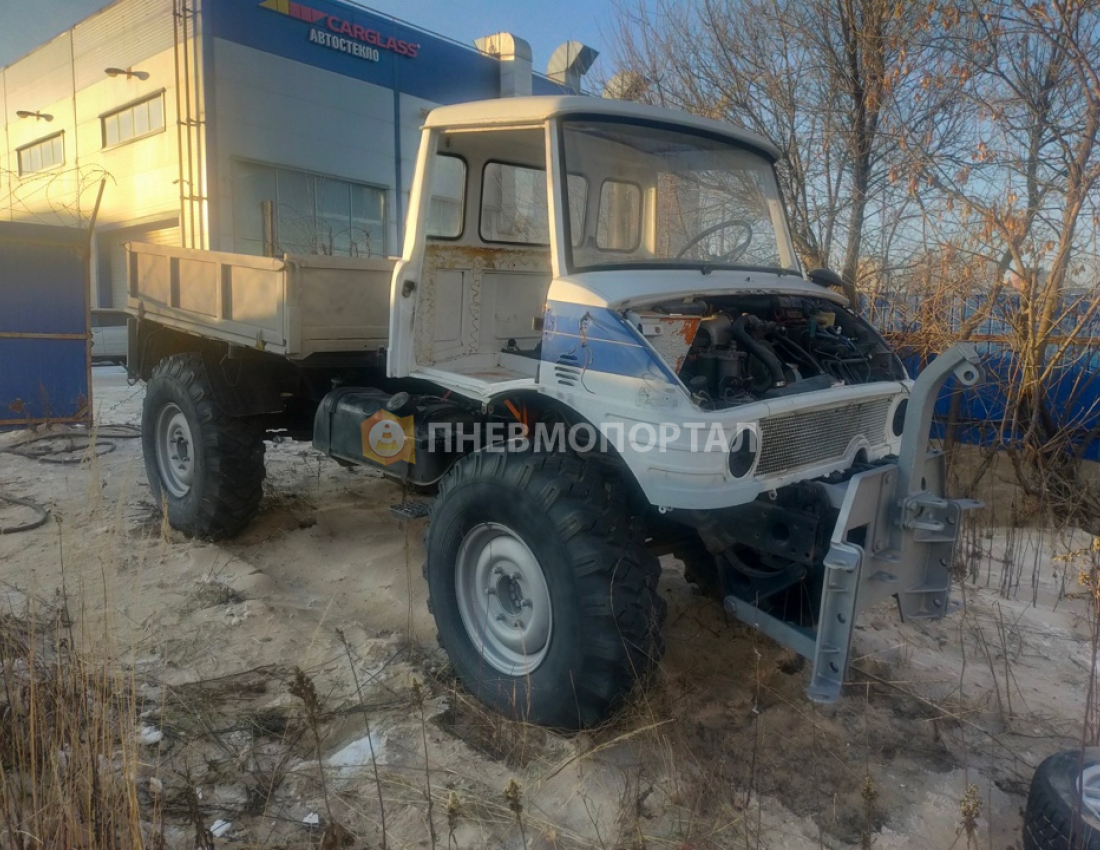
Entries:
{"x":744,"y":451}
{"x":898,"y":423}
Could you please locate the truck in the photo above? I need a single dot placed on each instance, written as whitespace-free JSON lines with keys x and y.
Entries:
{"x":598,"y":346}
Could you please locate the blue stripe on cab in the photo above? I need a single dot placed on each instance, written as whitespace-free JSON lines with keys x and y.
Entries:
{"x":598,"y":339}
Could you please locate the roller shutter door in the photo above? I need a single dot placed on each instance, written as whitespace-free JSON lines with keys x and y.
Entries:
{"x":156,"y":236}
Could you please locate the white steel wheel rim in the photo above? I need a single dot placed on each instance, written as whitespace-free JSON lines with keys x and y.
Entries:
{"x":503,"y":599}
{"x":175,"y":451}
{"x":1088,"y":786}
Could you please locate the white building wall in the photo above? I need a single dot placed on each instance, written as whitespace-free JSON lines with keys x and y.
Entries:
{"x":141,"y":173}
{"x":65,"y":79}
{"x":41,"y":82}
{"x":121,"y":35}
{"x":5,"y":163}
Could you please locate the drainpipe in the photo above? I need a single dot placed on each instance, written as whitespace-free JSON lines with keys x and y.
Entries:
{"x":398,"y":179}
{"x":515,"y":62}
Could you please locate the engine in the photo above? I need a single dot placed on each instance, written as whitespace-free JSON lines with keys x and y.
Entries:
{"x":748,"y":348}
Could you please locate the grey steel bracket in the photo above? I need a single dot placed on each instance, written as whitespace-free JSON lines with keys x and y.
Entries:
{"x":960,"y":360}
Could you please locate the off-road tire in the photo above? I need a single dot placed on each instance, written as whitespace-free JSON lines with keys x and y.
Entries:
{"x":1054,"y":818}
{"x":601,"y":584}
{"x":228,"y":453}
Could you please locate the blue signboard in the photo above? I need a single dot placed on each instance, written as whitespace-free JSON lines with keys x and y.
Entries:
{"x":44,"y":356}
{"x":359,"y":43}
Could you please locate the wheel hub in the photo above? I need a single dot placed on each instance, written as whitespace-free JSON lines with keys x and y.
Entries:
{"x":1088,"y":786}
{"x":175,"y":455}
{"x":509,"y":592}
{"x":503,"y":599}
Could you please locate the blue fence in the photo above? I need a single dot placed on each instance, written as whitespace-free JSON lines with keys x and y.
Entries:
{"x":903,"y":314}
{"x":44,"y":353}
{"x":1071,"y":392}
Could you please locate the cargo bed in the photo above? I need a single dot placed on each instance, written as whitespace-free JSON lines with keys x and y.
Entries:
{"x":296,"y":306}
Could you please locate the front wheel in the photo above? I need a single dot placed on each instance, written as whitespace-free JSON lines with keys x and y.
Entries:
{"x":544,"y":595}
{"x":1063,"y":804}
{"x":205,"y":468}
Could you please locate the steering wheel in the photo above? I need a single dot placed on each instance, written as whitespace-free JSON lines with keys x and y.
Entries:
{"x":732,"y":254}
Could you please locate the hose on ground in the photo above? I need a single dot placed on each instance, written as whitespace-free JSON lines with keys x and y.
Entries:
{"x":43,"y":514}
{"x":66,"y":446}
{"x":70,"y":446}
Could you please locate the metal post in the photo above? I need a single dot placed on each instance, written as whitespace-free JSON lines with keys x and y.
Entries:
{"x":960,"y":359}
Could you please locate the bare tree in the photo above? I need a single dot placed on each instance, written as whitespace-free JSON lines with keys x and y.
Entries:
{"x":1004,"y":154}
{"x":818,"y":78}
{"x":952,"y":145}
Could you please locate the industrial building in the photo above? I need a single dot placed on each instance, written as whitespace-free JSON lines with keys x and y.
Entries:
{"x":255,"y":126}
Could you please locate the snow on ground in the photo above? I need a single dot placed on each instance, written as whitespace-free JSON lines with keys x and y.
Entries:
{"x":722,"y":750}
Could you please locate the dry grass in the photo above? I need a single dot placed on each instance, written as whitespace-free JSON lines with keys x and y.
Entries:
{"x":716,"y":751}
{"x":700,"y":759}
{"x":71,"y":757}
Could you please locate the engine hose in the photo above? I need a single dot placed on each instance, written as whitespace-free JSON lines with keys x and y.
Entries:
{"x":761,"y":352}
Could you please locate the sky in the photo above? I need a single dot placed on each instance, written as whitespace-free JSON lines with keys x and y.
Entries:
{"x":25,"y":24}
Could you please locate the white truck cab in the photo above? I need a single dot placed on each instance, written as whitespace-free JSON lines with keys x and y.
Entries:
{"x":599,"y":289}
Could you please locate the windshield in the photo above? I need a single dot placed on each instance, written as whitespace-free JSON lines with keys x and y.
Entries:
{"x":667,"y":197}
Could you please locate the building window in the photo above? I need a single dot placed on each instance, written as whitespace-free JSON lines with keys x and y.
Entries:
{"x":134,"y":121}
{"x":281,"y":211}
{"x":43,"y":154}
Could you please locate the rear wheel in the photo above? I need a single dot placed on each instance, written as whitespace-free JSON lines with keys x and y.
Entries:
{"x":206,"y":469}
{"x":542,"y":590}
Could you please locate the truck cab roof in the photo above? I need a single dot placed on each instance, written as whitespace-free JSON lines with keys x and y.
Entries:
{"x":537,"y":110}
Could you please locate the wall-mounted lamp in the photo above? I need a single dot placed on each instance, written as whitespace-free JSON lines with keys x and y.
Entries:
{"x":128,"y":73}
{"x":37,"y":116}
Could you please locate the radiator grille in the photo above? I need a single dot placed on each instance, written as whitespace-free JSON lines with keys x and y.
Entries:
{"x":791,"y":441}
